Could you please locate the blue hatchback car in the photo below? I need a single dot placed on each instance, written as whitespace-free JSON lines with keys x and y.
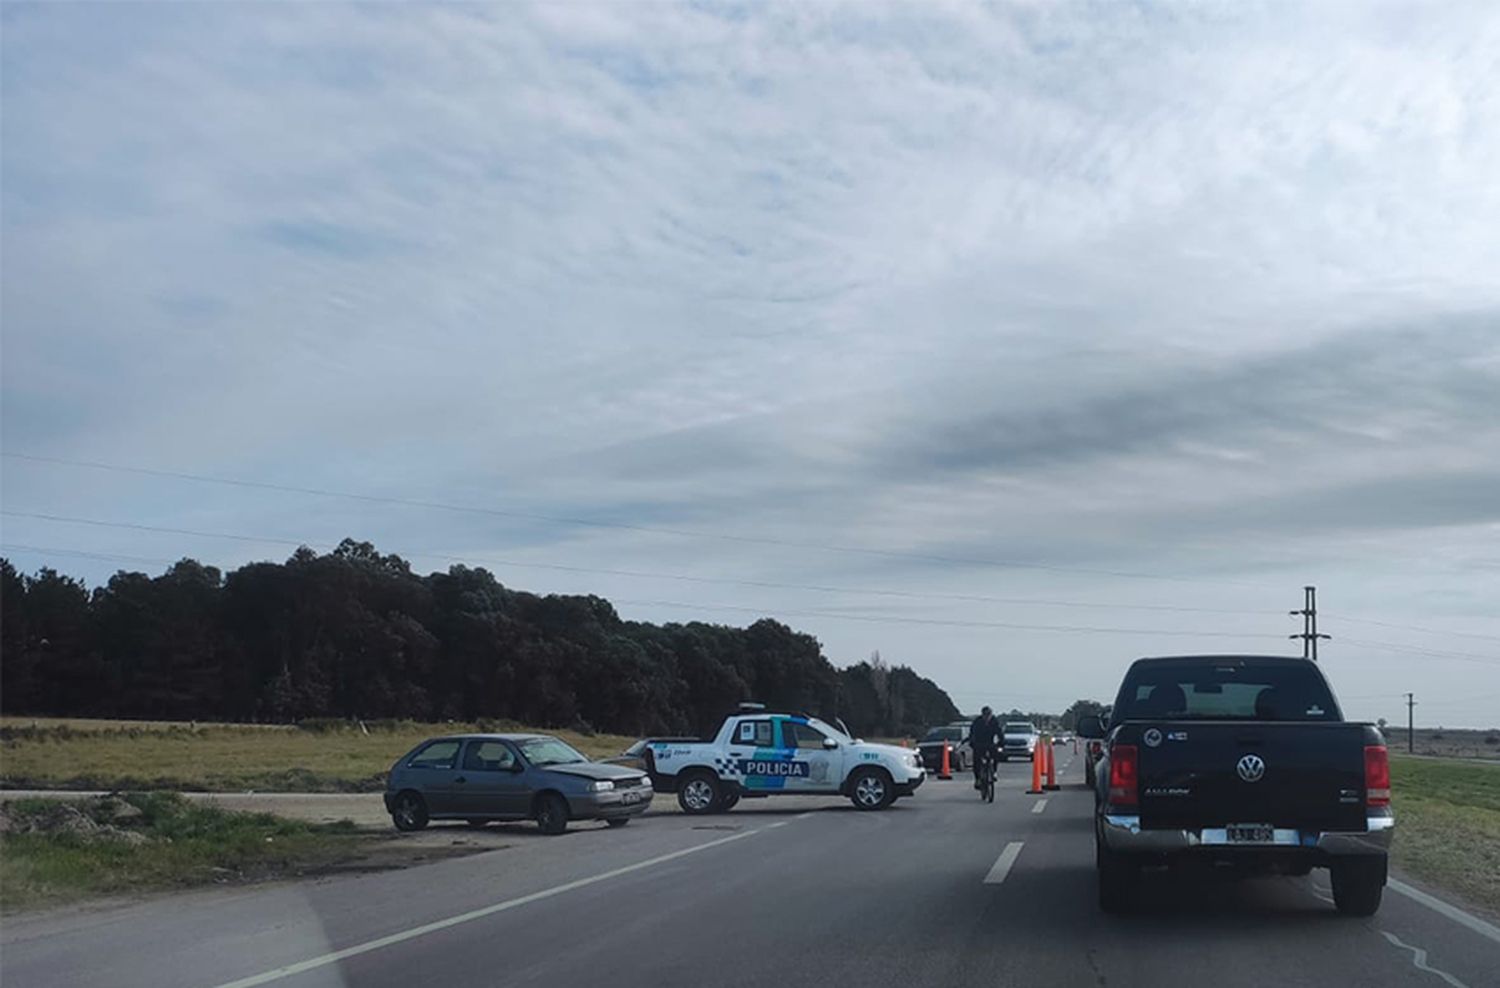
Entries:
{"x":484,"y":777}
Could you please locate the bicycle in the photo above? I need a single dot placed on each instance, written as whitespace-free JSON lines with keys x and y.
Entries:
{"x":986,"y":769}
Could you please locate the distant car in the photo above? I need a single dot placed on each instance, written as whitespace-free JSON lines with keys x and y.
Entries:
{"x":484,"y":777}
{"x":956,"y":737}
{"x":639,"y":756}
{"x":1092,"y":752}
{"x":1020,"y":740}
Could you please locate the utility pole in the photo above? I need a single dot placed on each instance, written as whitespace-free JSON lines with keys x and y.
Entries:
{"x":1410,"y":742}
{"x":1309,"y":614}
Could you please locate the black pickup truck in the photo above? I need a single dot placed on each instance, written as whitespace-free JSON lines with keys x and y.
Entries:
{"x":1242,"y":763}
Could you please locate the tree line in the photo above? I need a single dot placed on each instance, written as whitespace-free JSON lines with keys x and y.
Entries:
{"x":356,"y":634}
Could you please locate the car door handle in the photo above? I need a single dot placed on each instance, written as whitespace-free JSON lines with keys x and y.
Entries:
{"x":460,"y":779}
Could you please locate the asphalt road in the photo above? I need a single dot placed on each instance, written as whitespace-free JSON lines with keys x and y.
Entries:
{"x":941,"y":889}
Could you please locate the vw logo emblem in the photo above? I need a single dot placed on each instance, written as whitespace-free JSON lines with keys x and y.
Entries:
{"x":1152,"y":737}
{"x":1251,"y":768}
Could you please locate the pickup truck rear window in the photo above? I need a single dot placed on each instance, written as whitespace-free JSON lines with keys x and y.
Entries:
{"x":1236,"y":692}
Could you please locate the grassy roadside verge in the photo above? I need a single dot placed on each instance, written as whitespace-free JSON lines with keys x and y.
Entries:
{"x":1448,"y":825}
{"x":54,"y":852}
{"x":41,"y":753}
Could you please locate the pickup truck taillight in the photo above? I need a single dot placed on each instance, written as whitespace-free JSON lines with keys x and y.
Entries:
{"x":1124,"y":775}
{"x":1377,"y":775}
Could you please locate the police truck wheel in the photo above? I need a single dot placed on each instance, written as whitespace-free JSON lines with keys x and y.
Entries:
{"x":871,"y":789}
{"x":700,"y":793}
{"x":728,"y":802}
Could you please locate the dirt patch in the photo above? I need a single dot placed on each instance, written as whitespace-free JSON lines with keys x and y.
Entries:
{"x":97,"y":819}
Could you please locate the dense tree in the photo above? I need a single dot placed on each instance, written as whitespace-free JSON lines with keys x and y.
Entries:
{"x":354,"y":633}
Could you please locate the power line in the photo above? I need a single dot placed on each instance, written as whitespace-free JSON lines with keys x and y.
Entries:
{"x":1412,"y":650}
{"x":622,"y":526}
{"x":1080,"y":629}
{"x":945,"y":622}
{"x":1412,"y":627}
{"x":641,"y":574}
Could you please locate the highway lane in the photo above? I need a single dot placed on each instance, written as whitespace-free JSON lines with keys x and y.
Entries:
{"x":790,"y":888}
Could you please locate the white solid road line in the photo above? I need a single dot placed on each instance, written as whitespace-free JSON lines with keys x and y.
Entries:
{"x":1041,"y":804}
{"x":1454,"y":913}
{"x":1003,"y":862}
{"x":418,"y":931}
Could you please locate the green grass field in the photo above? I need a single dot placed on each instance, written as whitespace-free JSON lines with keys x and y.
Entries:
{"x":1448,"y":825}
{"x":47,"y":753}
{"x":53,"y":852}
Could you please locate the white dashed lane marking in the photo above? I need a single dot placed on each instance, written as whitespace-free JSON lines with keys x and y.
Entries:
{"x":1041,"y":804}
{"x":1003,"y":863}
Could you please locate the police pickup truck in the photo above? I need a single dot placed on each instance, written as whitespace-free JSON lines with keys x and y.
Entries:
{"x":763,"y":754}
{"x":1243,"y":764}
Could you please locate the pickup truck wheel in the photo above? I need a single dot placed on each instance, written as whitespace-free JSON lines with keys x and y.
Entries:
{"x":871,"y":789}
{"x":1119,"y":877}
{"x":699,"y":793}
{"x":728,"y":802}
{"x":409,"y":812}
{"x":551,"y":813}
{"x":1358,"y":885}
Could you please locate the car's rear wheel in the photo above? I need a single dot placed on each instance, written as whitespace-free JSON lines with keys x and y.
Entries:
{"x":699,"y":793}
{"x":1358,"y":885}
{"x":871,"y":789}
{"x":551,"y":813}
{"x":619,"y":821}
{"x":409,"y":812}
{"x":728,"y":802}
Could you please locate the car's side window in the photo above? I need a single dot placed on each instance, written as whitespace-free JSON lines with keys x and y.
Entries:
{"x":438,"y":754}
{"x":801,"y":735}
{"x":756,"y":732}
{"x":489,"y":756}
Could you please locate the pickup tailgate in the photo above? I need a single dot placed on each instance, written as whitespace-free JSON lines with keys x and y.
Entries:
{"x":1311,"y":776}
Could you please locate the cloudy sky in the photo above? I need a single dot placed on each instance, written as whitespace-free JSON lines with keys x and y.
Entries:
{"x":1014,"y":342}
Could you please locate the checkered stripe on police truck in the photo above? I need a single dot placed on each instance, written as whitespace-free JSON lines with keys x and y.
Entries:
{"x":727,"y":767}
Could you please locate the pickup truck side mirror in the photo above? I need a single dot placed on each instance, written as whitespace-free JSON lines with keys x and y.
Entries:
{"x":830,"y":743}
{"x":1090,"y":726}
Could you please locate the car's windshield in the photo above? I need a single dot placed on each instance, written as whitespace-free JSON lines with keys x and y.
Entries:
{"x":1019,"y":728}
{"x":944,"y":734}
{"x":550,"y":751}
{"x":829,"y":729}
{"x":1232,"y":691}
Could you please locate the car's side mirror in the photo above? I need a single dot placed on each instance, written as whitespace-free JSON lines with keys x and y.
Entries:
{"x":830,"y":743}
{"x":515,"y":767}
{"x":1090,"y":726}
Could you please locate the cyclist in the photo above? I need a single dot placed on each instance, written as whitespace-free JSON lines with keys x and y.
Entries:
{"x":984,"y":738}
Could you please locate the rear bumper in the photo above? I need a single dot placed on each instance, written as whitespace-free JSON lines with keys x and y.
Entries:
{"x":1124,"y":834}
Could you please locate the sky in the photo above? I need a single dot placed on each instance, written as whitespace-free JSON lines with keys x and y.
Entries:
{"x":1013,"y":342}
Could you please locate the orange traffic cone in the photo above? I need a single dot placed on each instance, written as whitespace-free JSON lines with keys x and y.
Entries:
{"x":946,"y":772}
{"x":1051,"y":785}
{"x":1036,"y":771}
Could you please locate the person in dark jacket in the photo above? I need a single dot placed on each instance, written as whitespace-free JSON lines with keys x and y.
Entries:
{"x":984,"y":739}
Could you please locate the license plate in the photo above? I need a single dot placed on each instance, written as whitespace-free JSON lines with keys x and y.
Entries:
{"x":630,"y":797}
{"x":1250,"y":833}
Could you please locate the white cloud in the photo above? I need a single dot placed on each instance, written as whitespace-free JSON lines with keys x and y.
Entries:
{"x":1121,"y":288}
